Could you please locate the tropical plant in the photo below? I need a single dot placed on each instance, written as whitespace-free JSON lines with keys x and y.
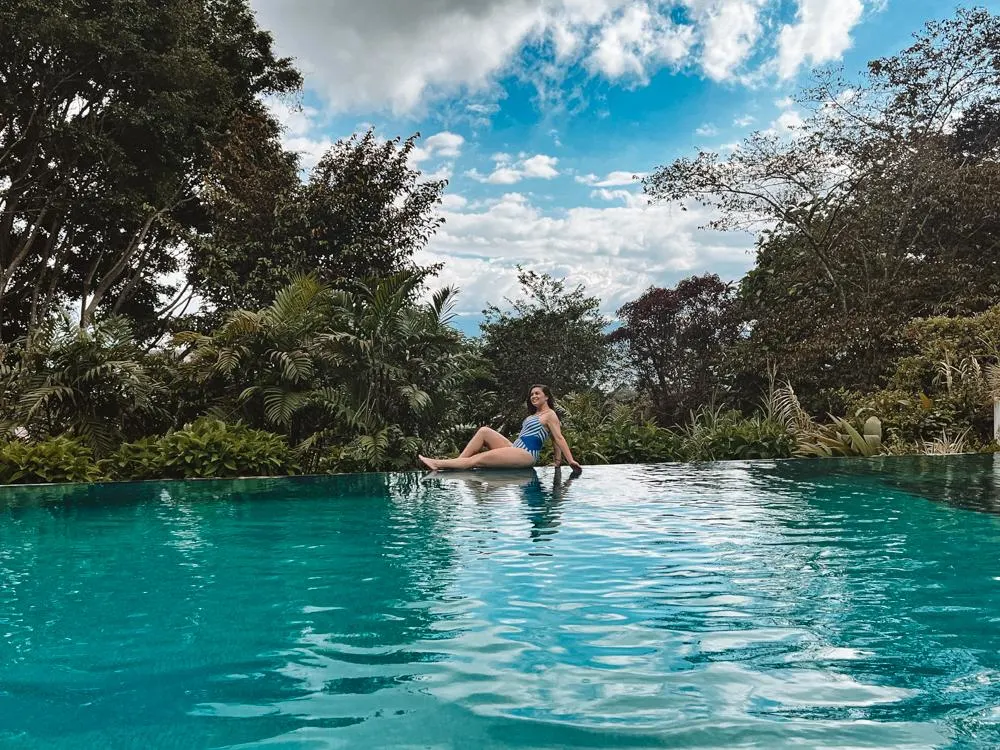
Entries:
{"x":331,"y":367}
{"x":85,"y":382}
{"x":213,"y":448}
{"x":717,"y":434}
{"x":840,"y":437}
{"x":550,"y":335}
{"x":602,"y":429}
{"x":58,"y":459}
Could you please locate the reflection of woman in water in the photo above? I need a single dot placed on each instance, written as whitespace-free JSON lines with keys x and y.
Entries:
{"x":541,"y":504}
{"x":501,"y":453}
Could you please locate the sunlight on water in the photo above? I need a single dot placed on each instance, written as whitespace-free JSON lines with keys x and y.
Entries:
{"x":807,"y":604}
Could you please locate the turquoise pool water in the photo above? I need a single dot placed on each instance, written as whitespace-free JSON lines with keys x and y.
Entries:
{"x":762,"y":604}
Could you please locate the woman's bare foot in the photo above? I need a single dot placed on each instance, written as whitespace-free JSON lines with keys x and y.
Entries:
{"x":430,"y":463}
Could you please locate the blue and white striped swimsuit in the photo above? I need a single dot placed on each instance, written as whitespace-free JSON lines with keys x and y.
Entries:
{"x":533,"y":434}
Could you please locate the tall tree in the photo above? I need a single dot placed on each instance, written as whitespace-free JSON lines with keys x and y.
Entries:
{"x":550,"y":335}
{"x":676,"y":340}
{"x":108,"y":115}
{"x":362,"y":214}
{"x":884,"y":197}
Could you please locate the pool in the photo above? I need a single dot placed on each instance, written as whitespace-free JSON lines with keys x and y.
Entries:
{"x":807,"y":604}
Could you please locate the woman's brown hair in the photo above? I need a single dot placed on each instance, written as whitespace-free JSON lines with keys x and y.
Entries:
{"x":548,"y":397}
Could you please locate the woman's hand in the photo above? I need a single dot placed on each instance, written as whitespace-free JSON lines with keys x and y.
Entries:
{"x":575,"y":465}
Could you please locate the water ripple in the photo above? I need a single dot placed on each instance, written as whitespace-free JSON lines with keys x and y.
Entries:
{"x":758,"y":604}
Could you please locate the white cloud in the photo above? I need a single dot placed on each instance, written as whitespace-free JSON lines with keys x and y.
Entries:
{"x":628,"y":197}
{"x":821,"y":33}
{"x":616,"y":251}
{"x":785,"y":124}
{"x":730,"y":29}
{"x":639,"y":40}
{"x":365,"y":56}
{"x":744,"y":121}
{"x":613,"y":179}
{"x":507,"y":171}
{"x":443,"y":145}
{"x":707,"y":130}
{"x":453,"y":202}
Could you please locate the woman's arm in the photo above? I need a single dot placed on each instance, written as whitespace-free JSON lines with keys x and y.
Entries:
{"x":561,"y":446}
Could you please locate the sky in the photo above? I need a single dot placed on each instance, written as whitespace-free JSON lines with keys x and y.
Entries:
{"x":541,"y":114}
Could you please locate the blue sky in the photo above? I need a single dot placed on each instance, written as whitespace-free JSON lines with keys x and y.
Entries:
{"x":539,"y":112}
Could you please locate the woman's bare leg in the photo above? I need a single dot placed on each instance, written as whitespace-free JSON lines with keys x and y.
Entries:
{"x":485,"y":437}
{"x":507,"y":457}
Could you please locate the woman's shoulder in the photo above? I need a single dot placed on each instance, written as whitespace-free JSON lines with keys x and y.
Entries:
{"x":548,"y":417}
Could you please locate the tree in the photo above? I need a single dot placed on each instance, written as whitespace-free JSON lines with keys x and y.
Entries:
{"x":879,"y":207}
{"x":362,"y":214}
{"x":550,"y":336}
{"x":676,"y":341}
{"x":91,"y":383}
{"x":334,"y":367}
{"x":108,"y":115}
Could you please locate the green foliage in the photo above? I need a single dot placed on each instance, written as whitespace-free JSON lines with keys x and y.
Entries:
{"x":330,"y":367}
{"x":362,"y":214}
{"x":718,"y":434}
{"x":604,"y":430}
{"x":945,"y":384}
{"x":388,"y":449}
{"x":90,"y":383}
{"x":840,"y":437}
{"x":213,"y":448}
{"x":676,"y":340}
{"x":58,"y":459}
{"x":91,"y":211}
{"x":551,"y":336}
{"x":881,"y":208}
{"x":142,"y":459}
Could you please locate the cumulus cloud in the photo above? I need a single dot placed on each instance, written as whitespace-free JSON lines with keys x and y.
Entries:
{"x":731,"y":28}
{"x":821,"y":33}
{"x":508,"y":171}
{"x":440,"y":145}
{"x":707,"y":130}
{"x":616,"y":251}
{"x":400,"y":55}
{"x":637,"y":41}
{"x":613,"y":179}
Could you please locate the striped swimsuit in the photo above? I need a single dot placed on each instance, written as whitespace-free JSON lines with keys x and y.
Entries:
{"x":533,"y":434}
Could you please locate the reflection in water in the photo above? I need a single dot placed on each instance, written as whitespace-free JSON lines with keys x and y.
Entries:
{"x":541,"y":501}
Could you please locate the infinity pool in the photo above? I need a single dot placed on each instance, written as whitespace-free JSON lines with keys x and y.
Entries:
{"x":806,"y":604}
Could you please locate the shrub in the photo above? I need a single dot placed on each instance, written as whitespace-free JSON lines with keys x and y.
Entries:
{"x":388,"y":449}
{"x":213,"y":448}
{"x":718,"y":435}
{"x":142,"y":459}
{"x":58,"y":459}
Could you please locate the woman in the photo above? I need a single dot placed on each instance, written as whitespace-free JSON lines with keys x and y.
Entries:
{"x":501,"y":453}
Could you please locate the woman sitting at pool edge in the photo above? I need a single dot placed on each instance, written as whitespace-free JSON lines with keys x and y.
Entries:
{"x":501,"y":453}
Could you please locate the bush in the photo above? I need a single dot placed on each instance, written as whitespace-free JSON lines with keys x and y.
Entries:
{"x":717,"y":435}
{"x":142,"y":459}
{"x":388,"y":449}
{"x":213,"y":448}
{"x":59,"y":459}
{"x":603,"y":430}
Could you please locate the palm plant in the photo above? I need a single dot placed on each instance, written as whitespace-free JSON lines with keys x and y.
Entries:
{"x":87,"y":382}
{"x":365,"y":368}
